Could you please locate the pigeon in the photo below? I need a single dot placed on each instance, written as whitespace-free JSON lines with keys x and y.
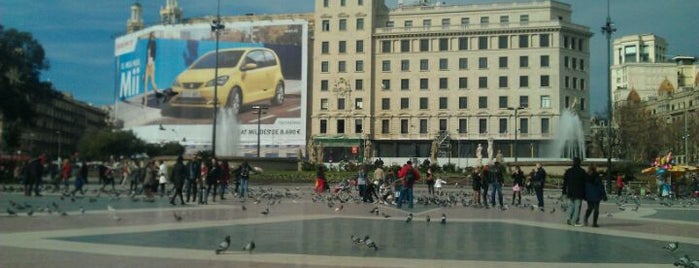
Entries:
{"x":11,"y":212}
{"x":249,"y":247}
{"x":265,"y":212}
{"x":694,"y":264}
{"x":672,"y":246}
{"x":82,"y":210}
{"x":223,"y":246}
{"x":410,"y":218}
{"x":356,"y":239}
{"x":635,"y":208}
{"x":243,"y":208}
{"x":427,"y":218}
{"x":110,"y":208}
{"x":609,"y":215}
{"x":338,"y":209}
{"x":385,"y":215}
{"x":30,"y":212}
{"x":116,"y":217}
{"x":683,"y":261}
{"x":177,"y":216}
{"x":622,"y":208}
{"x":370,"y":243}
{"x":444,"y":219}
{"x":373,"y":210}
{"x":553,"y":210}
{"x":63,"y":213}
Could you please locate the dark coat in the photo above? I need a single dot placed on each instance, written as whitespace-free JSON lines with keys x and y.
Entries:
{"x":594,"y":188}
{"x":179,"y":174}
{"x":495,"y":175}
{"x":574,"y":182}
{"x":539,"y":178}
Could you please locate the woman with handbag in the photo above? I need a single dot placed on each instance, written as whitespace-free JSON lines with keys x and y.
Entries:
{"x":518,"y":177}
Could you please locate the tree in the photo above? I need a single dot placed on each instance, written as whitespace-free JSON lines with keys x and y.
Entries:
{"x":100,"y":144}
{"x":22,"y":59}
{"x":641,"y":135}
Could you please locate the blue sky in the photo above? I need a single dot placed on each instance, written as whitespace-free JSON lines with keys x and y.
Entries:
{"x":78,"y":34}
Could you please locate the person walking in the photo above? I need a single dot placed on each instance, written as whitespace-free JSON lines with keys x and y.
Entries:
{"x":179,"y":174}
{"x":619,"y":184}
{"x":574,"y":187}
{"x":538,"y":183}
{"x":212,"y":177}
{"x":162,"y":177}
{"x":594,"y":193}
{"x":476,"y":184}
{"x":66,"y":171}
{"x":485,"y":183}
{"x":243,"y":172}
{"x":517,"y":185}
{"x":379,"y":174}
{"x":430,"y":181}
{"x":408,"y":175}
{"x":225,"y":179}
{"x":362,"y":183}
{"x":191,"y":182}
{"x":496,"y":181}
{"x":321,"y":181}
{"x":81,"y":179}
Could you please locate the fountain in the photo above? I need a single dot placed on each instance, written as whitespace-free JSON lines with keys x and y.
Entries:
{"x":570,"y":138}
{"x":227,"y":133}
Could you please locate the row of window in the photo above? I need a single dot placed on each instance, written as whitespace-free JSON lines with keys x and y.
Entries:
{"x":443,"y":102}
{"x":342,"y":24}
{"x":443,"y":83}
{"x":443,"y":64}
{"x":577,"y":64}
{"x":503,"y":126}
{"x":462,"y":43}
{"x":465,"y":21}
{"x":326,"y":3}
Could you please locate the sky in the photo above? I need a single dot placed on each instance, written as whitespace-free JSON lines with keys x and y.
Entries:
{"x":78,"y":35}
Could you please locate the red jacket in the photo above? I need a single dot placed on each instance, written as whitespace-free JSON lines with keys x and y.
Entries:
{"x":404,"y":170}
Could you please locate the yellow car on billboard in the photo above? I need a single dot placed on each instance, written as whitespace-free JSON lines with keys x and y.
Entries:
{"x":245,"y":76}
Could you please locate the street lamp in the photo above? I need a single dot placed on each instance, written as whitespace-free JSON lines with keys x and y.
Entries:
{"x":260,"y":109}
{"x":216,"y":27}
{"x":608,"y":29}
{"x":516,"y":109}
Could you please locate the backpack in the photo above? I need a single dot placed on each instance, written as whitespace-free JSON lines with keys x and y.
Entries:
{"x":410,"y":176}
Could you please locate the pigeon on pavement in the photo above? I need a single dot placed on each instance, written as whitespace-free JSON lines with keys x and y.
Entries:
{"x":356,"y":239}
{"x":249,"y":247}
{"x":672,"y":246}
{"x":427,"y":218}
{"x":370,"y":243}
{"x":11,"y":212}
{"x":410,"y":218}
{"x":177,"y":216}
{"x":444,"y":219}
{"x":223,"y":246}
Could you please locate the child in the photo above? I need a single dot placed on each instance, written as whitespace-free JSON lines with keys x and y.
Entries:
{"x":476,"y":185}
{"x":385,"y":192}
{"x":438,"y":185}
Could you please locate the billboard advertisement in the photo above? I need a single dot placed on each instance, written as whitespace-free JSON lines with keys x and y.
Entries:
{"x":169,"y":78}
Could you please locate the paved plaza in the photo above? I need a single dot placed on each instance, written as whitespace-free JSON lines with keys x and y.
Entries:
{"x":301,"y":230}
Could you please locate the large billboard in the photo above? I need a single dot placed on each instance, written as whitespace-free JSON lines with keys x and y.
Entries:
{"x":169,"y":78}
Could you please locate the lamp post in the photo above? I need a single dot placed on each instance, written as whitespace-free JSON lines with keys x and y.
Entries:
{"x":608,"y":29}
{"x":260,"y":109}
{"x":516,"y":109}
{"x":216,"y":27}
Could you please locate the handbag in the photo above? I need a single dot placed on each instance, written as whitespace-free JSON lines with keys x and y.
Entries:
{"x":516,"y":188}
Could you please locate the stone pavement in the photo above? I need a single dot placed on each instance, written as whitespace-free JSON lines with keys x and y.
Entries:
{"x":302,"y":231}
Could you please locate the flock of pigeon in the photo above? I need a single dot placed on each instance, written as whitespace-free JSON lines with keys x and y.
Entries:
{"x":682,"y":261}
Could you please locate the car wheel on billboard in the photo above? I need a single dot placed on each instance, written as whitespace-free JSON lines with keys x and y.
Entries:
{"x":235,"y":99}
{"x":278,"y":98}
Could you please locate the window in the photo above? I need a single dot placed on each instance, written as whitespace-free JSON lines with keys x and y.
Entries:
{"x":582,"y":64}
{"x":504,"y":19}
{"x":502,"y":102}
{"x":523,"y":41}
{"x":404,"y":45}
{"x":485,"y":20}
{"x":424,"y":83}
{"x":502,"y":81}
{"x":502,"y":124}
{"x":341,"y":67}
{"x":502,"y":62}
{"x":575,"y":82}
{"x":358,"y":125}
{"x":545,"y":81}
{"x":424,"y":103}
{"x":323,"y":85}
{"x":325,"y":24}
{"x":385,"y":104}
{"x":443,"y":103}
{"x":582,"y":84}
{"x":405,"y":84}
{"x":385,"y":126}
{"x":483,"y":42}
{"x":546,"y":101}
{"x":359,"y":65}
{"x":343,"y":25}
{"x":426,"y":23}
{"x":482,"y":102}
{"x":502,"y":41}
{"x":408,"y":24}
{"x":405,"y":65}
{"x":463,"y":125}
{"x":465,"y":21}
{"x":544,"y":126}
{"x":343,"y":3}
{"x":523,"y":125}
{"x":483,"y":63}
{"x":404,"y":126}
{"x":524,"y":81}
{"x":572,"y":42}
{"x":360,"y":24}
{"x":423,"y":126}
{"x":323,"y":104}
{"x":443,"y":83}
{"x":483,"y":126}
{"x":360,"y":2}
{"x":389,"y":24}
{"x":358,"y":84}
{"x":443,"y":44}
{"x":386,"y":84}
{"x":442,"y":124}
{"x":482,"y":82}
{"x":358,"y":104}
{"x":446,"y":23}
{"x":386,"y":46}
{"x":463,"y":63}
{"x":523,"y":18}
{"x":443,"y":64}
{"x":424,"y":65}
{"x":359,"y":46}
{"x":325,"y":3}
{"x":463,"y":102}
{"x":463,"y":82}
{"x":574,"y":62}
{"x":404,"y":103}
{"x":424,"y":45}
{"x":580,"y":44}
{"x":341,"y":103}
{"x":324,"y":66}
{"x":544,"y":60}
{"x":325,"y":47}
{"x":386,"y":65}
{"x":544,"y":40}
{"x":323,"y":126}
{"x":566,"y":42}
{"x":566,"y":62}
{"x":566,"y":82}
{"x":340,"y":126}
{"x":342,"y":47}
{"x":524,"y":101}
{"x":523,"y":61}
{"x":463,"y":43}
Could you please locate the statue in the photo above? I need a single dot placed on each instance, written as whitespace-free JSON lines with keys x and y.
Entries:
{"x":491,"y":149}
{"x":479,"y":155}
{"x":499,"y":157}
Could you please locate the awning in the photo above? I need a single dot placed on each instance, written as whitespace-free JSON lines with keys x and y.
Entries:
{"x":338,"y":141}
